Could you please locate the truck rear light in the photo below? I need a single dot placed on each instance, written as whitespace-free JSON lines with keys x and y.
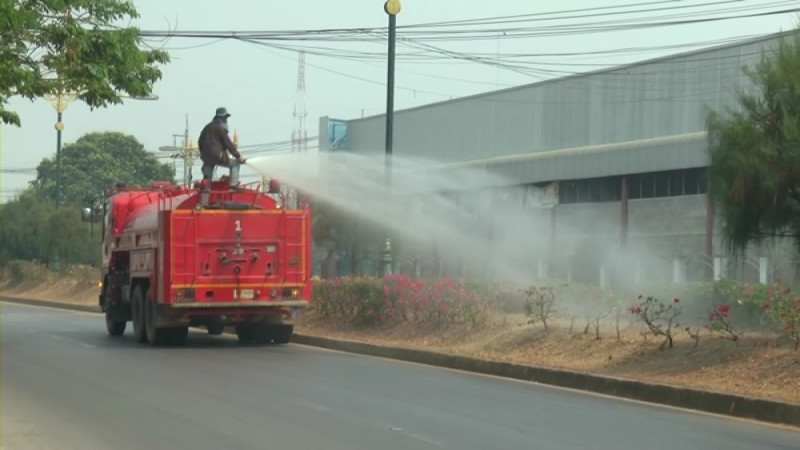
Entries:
{"x":184,"y":295}
{"x":291,"y":292}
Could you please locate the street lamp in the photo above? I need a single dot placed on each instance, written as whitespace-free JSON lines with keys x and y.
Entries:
{"x":60,"y":102}
{"x":392,"y":8}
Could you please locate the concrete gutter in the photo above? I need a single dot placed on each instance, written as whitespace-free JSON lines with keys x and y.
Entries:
{"x":711,"y":402}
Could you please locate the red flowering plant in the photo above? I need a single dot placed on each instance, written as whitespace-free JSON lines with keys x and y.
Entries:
{"x":720,"y":320}
{"x":658,"y":316}
{"x":745,"y":301}
{"x":784,"y":307}
{"x":398,"y":299}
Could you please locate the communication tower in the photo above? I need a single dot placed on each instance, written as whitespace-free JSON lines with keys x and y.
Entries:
{"x":299,"y":134}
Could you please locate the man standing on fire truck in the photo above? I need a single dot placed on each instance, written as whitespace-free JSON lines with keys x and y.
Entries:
{"x":214,"y":146}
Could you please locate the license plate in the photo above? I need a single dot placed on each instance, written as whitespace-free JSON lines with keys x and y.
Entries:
{"x":246,"y":294}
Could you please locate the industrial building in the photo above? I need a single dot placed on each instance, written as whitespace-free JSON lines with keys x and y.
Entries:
{"x":623,"y":149}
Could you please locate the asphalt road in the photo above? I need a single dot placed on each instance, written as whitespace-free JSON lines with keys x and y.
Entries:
{"x":66,"y":385}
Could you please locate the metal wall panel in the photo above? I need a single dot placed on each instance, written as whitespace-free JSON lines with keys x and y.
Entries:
{"x":664,"y":97}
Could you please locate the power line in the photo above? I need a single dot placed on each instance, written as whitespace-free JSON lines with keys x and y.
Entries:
{"x":425,"y":52}
{"x":421,"y":33}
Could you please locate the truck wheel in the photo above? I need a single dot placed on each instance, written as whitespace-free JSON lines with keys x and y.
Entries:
{"x":282,"y":333}
{"x":178,"y":336}
{"x":215,"y":329}
{"x":137,"y":311}
{"x":246,"y":333}
{"x":156,"y":336}
{"x":114,"y":327}
{"x":263,"y":334}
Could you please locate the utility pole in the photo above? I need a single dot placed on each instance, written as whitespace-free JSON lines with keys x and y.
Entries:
{"x":392,"y":8}
{"x":185,"y":151}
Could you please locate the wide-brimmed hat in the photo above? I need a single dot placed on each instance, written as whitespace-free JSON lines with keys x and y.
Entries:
{"x":222,"y":112}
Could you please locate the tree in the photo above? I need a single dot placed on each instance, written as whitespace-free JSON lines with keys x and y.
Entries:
{"x":79,"y":47}
{"x":96,"y":162}
{"x":755,"y":150}
{"x":31,"y":228}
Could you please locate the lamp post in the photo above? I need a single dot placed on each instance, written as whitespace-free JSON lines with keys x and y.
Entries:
{"x":60,"y":102}
{"x":392,"y":8}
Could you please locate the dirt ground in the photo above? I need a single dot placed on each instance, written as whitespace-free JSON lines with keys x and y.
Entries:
{"x":61,"y":291}
{"x":755,"y":367}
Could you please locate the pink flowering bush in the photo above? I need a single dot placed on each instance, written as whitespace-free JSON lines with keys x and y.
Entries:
{"x":756,"y":306}
{"x":658,"y":316}
{"x":399,"y":299}
{"x":784,"y":306}
{"x":720,"y":320}
{"x":745,"y":302}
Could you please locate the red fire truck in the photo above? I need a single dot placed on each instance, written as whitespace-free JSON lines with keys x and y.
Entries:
{"x":242,"y":261}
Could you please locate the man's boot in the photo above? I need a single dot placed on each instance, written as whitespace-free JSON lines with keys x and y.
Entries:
{"x":234,"y":179}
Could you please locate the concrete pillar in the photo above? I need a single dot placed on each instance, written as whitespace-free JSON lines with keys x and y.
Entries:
{"x":720,"y":268}
{"x":709,"y":223}
{"x":678,"y":271}
{"x":763,"y":270}
{"x":542,"y":269}
{"x":602,"y":277}
{"x":623,"y":241}
{"x":551,"y":250}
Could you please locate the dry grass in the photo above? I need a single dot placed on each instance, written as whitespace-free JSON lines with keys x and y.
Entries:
{"x":62,"y":291}
{"x":756,"y":367}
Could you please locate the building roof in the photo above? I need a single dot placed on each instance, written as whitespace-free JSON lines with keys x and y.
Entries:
{"x":660,"y":59}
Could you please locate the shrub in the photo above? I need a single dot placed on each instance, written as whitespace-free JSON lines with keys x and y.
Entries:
{"x":539,"y":304}
{"x":745,"y":301}
{"x":399,"y":299}
{"x":720,"y":320}
{"x":784,"y":307}
{"x":28,"y":271}
{"x":658,"y":316}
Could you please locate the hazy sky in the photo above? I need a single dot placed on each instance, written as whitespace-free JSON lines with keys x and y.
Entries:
{"x":257,"y":84}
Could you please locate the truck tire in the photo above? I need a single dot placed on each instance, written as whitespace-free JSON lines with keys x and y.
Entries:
{"x":178,"y":336}
{"x":263,"y":334}
{"x":156,"y":336}
{"x":215,"y":329}
{"x":282,"y":334}
{"x":137,"y":311}
{"x":114,"y":327}
{"x":246,"y":333}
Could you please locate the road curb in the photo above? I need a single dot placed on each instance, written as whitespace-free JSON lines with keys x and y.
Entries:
{"x":710,"y":402}
{"x":51,"y":304}
{"x":705,"y":401}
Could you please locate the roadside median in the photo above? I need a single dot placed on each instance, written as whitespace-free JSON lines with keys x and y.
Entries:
{"x":693,"y":399}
